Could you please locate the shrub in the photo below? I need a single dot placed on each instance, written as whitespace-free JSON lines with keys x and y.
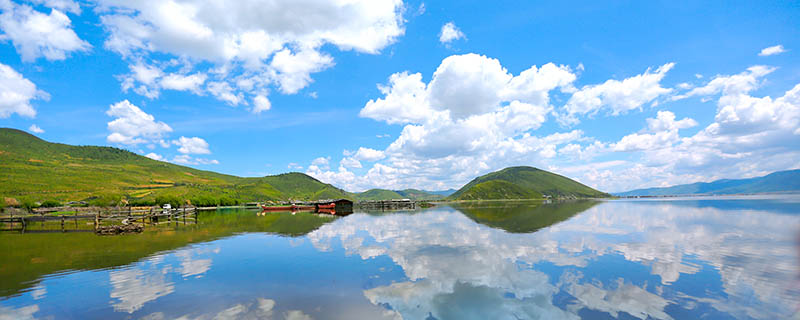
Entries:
{"x":225,"y":201}
{"x":172,"y":200}
{"x":142,"y":202}
{"x":50,"y":204}
{"x":29,"y":205}
{"x":11,"y":202}
{"x":205,"y":201}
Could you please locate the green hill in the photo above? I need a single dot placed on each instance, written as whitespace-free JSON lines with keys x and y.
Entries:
{"x":32,"y":169}
{"x":523,"y":183}
{"x":378,"y":194}
{"x":415,"y":194}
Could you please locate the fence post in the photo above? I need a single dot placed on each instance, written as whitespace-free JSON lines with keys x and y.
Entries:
{"x":62,"y":223}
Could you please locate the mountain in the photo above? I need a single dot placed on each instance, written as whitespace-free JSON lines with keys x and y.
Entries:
{"x":383,"y":194}
{"x":415,"y":194}
{"x":32,"y":169}
{"x":781,"y":181}
{"x":378,"y":194}
{"x":523,"y":183}
{"x":443,"y":193}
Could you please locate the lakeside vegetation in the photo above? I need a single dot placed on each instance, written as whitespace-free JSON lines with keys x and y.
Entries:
{"x":33,"y":170}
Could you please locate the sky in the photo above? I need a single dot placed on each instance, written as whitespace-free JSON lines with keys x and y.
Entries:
{"x":409,"y":94}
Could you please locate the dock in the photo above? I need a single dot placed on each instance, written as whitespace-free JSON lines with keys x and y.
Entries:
{"x":101,"y":219}
{"x":387,"y":205}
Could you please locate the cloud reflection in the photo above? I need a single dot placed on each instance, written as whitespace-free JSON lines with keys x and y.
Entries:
{"x":149,"y":280}
{"x":452,"y":261}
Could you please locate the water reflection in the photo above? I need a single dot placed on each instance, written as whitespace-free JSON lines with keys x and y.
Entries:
{"x":620,"y":259}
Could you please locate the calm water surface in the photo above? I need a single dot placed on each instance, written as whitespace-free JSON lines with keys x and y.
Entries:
{"x":709,"y":258}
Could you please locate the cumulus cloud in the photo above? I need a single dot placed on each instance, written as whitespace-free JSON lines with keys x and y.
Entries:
{"x":186,"y":159}
{"x":367,"y":154}
{"x":63,"y":5}
{"x":180,"y":82}
{"x":773,"y":50}
{"x":617,"y":96}
{"x":474,"y":117}
{"x":450,"y":33}
{"x":155,"y":156}
{"x":36,"y":34}
{"x":193,"y":145}
{"x":133,"y":126}
{"x":662,"y":133}
{"x":16,"y":94}
{"x":247,"y":47}
{"x":471,"y":114}
{"x":35,"y":129}
{"x":261,"y":103}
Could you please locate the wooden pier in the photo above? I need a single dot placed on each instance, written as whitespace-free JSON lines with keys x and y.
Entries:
{"x":387,"y":205}
{"x":99,"y":219}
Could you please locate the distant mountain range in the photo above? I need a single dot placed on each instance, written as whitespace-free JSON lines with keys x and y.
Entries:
{"x":781,"y":181}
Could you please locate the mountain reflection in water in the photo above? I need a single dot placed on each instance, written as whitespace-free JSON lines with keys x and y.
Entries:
{"x":676,"y":259}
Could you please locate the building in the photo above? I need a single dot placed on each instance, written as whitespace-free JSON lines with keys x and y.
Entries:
{"x":340,"y":206}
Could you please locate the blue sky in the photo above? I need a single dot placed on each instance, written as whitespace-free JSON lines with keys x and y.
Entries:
{"x":392,"y":94}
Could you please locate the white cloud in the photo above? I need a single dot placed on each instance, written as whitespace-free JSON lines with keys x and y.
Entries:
{"x":474,"y":117}
{"x":367,"y":154}
{"x":63,"y":5}
{"x":731,"y":85}
{"x":349,"y":162}
{"x":35,"y":34}
{"x":471,"y":117}
{"x":261,"y":103}
{"x":294,"y":166}
{"x":16,"y":94}
{"x":617,"y":96}
{"x":186,"y":159}
{"x":663,"y":133}
{"x":181,"y":82}
{"x":133,"y":126}
{"x":248,"y":47}
{"x":193,"y":145}
{"x":155,"y":156}
{"x":773,"y":50}
{"x":450,"y":33}
{"x":35,"y":129}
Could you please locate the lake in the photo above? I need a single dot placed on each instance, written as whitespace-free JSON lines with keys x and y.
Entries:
{"x":677,"y":258}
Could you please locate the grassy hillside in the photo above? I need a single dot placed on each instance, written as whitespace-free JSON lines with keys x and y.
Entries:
{"x":32,"y":169}
{"x":523,"y":183}
{"x":781,"y":181}
{"x":383,"y":194}
{"x":378,"y":194}
{"x":415,"y":194}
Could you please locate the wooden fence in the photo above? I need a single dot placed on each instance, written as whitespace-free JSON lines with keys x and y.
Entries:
{"x":98,"y":218}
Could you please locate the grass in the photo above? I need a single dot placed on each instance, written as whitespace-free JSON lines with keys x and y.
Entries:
{"x":524,"y":183}
{"x":32,"y":169}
